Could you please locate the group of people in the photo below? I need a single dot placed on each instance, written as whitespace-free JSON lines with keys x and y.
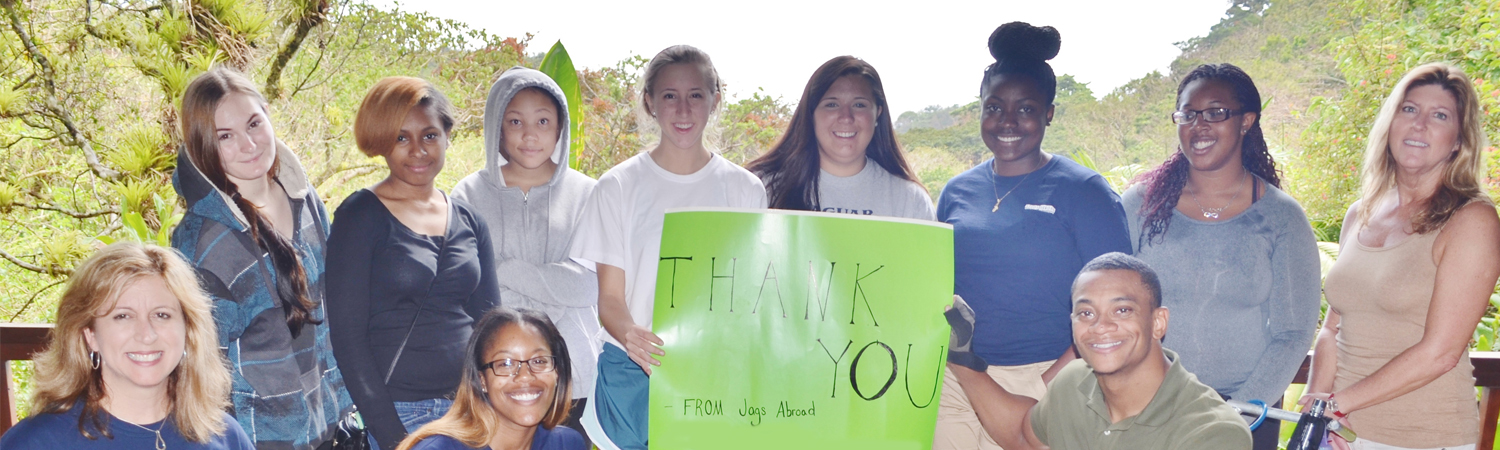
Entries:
{"x":516,"y":312}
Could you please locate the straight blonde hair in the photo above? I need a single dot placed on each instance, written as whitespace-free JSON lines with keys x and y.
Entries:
{"x":1460,"y":183}
{"x":197,"y":390}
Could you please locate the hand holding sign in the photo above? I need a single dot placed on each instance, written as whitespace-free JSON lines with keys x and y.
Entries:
{"x":640,"y":344}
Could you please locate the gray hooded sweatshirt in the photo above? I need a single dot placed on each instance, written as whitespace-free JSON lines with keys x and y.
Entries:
{"x":531,"y":230}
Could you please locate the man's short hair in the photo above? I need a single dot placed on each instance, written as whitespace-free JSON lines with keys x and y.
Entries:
{"x":1121,"y":261}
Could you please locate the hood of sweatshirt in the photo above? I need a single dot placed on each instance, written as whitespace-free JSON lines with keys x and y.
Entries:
{"x":504,"y":89}
{"x":204,"y":199}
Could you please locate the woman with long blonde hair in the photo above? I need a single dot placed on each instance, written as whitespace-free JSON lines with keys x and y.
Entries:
{"x":514,"y":394}
{"x":133,"y":361}
{"x":1419,"y":256}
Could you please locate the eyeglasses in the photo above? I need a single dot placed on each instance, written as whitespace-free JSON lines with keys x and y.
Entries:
{"x":510,"y":367}
{"x":1211,"y":115}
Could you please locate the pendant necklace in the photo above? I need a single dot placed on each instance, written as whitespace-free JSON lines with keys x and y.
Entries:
{"x":996,"y":185}
{"x":1213,"y":213}
{"x":160,"y":443}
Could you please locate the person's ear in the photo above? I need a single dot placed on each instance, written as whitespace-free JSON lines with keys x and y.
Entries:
{"x":1159,"y":322}
{"x":1247,"y":122}
{"x":88,"y":338}
{"x":1051,"y":108}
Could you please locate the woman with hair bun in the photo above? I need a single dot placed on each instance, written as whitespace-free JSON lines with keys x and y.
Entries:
{"x":1234,"y":251}
{"x":1024,"y":223}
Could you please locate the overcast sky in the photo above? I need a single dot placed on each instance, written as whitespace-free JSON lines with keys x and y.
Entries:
{"x":928,"y":52}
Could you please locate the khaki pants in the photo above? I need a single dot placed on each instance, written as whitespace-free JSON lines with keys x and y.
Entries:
{"x":957,"y":426}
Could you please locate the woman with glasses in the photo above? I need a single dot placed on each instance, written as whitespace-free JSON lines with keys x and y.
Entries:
{"x":1024,"y":223}
{"x":1238,"y":262}
{"x":514,"y":392}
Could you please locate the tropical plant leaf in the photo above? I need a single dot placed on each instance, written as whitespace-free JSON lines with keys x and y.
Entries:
{"x":558,"y":65}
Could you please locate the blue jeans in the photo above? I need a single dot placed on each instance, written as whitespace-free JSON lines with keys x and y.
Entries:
{"x":415,"y":414}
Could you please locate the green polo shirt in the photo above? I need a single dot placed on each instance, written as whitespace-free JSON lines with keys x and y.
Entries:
{"x":1184,"y":414}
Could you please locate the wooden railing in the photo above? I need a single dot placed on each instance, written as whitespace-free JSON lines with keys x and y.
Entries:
{"x":21,"y":341}
{"x":18,"y":342}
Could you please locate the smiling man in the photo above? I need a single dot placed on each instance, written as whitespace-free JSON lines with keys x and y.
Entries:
{"x":1127,"y":392}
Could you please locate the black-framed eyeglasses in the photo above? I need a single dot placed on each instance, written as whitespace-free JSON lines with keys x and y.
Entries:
{"x":510,"y":367}
{"x":1209,"y":115}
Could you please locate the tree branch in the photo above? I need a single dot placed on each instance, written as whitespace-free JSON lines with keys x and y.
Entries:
{"x":48,"y":81}
{"x":33,"y":267}
{"x":68,"y":212}
{"x":34,"y":295}
{"x":313,"y":15}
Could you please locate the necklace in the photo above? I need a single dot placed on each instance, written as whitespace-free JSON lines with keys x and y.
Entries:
{"x":160,"y":443}
{"x":1213,"y":213}
{"x":996,"y":185}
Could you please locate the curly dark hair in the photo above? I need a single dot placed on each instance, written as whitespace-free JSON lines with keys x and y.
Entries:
{"x":1164,"y":183}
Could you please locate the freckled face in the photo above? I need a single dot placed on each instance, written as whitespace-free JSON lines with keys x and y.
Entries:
{"x":1425,"y":131}
{"x":421,"y":144}
{"x":1114,"y":325}
{"x":140,"y":338}
{"x":1014,"y":118}
{"x":247,"y":144}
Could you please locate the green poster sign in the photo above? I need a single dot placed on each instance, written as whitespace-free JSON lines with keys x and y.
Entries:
{"x":799,"y":330}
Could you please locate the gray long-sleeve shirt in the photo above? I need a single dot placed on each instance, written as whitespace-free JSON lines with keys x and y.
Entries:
{"x":1242,"y":294}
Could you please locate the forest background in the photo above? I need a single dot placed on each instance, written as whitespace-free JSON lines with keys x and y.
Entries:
{"x":90,"y":89}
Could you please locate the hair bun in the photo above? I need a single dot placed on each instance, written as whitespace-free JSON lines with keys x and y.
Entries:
{"x":1022,"y":40}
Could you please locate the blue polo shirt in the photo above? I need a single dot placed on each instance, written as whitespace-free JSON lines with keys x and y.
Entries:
{"x":1015,"y":266}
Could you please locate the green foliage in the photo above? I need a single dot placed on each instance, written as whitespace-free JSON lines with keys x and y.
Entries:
{"x":1390,"y":38}
{"x":141,"y":150}
{"x":558,"y":65}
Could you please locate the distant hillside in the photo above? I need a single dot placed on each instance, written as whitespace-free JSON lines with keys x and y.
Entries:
{"x":1280,"y":46}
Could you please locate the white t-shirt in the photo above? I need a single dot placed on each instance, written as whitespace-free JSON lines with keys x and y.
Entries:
{"x":622,"y":221}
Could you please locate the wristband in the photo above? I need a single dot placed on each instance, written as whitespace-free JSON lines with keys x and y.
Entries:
{"x":1334,"y":406}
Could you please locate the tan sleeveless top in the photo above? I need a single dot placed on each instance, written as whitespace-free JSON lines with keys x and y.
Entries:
{"x":1382,"y":295}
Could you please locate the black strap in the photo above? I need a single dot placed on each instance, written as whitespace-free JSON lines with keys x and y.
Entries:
{"x":442,"y":248}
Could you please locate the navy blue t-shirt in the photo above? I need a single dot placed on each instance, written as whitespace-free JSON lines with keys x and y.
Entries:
{"x":1016,"y":266}
{"x":59,"y":431}
{"x":560,"y":438}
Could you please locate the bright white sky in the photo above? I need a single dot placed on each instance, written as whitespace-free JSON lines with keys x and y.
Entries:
{"x":928,"y":52}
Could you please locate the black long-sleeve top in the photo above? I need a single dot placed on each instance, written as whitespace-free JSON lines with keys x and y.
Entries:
{"x":380,"y":274}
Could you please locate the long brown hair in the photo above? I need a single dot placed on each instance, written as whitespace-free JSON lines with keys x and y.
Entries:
{"x":1460,"y":182}
{"x":472,"y":420}
{"x":199,"y":102}
{"x":790,"y":169}
{"x":197,"y":390}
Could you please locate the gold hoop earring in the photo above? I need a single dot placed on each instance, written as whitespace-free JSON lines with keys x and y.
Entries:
{"x":95,"y":360}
